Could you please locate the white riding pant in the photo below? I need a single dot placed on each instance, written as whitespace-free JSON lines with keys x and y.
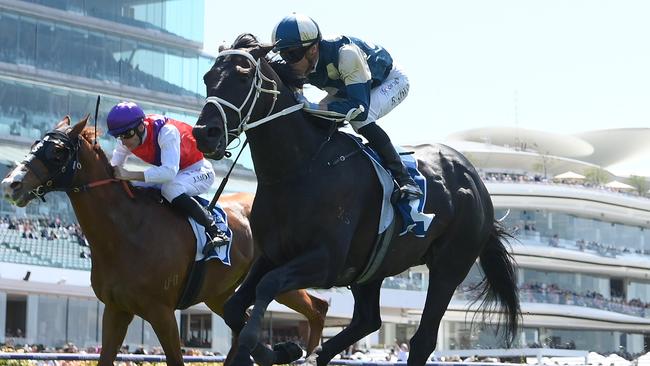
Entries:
{"x":194,"y":180}
{"x":383,"y":98}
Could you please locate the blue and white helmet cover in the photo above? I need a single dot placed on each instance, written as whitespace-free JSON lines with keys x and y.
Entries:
{"x":294,"y":31}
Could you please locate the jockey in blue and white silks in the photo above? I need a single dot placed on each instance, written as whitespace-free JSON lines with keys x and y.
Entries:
{"x":360,"y":78}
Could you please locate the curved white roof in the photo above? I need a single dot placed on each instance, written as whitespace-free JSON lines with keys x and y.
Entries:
{"x":524,"y":139}
{"x":601,"y":147}
{"x":615,"y":145}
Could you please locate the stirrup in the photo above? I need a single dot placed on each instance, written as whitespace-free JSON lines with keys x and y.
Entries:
{"x":216,"y":241}
{"x":410,"y":192}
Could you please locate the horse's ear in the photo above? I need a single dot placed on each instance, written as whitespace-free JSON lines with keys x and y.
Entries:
{"x":63,"y":123}
{"x":76,"y":129}
{"x":261,"y":50}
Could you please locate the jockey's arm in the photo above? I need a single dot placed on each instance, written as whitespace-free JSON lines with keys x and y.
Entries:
{"x":120,"y":153}
{"x":355,"y":74}
{"x":169,"y":140}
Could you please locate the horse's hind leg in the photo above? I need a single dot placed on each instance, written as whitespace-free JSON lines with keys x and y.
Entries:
{"x":423,"y":343}
{"x":163,"y":321}
{"x":458,"y":251}
{"x":366,"y":319}
{"x":114,"y":325}
{"x":313,"y":308}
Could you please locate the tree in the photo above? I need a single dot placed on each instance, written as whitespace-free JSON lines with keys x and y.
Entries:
{"x":640,"y":184}
{"x":596,"y":175}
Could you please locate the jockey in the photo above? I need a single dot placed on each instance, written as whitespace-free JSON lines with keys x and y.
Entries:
{"x":361,"y":80}
{"x":180,"y":170}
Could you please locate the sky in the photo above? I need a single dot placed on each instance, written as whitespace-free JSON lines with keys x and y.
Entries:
{"x":561,"y":66}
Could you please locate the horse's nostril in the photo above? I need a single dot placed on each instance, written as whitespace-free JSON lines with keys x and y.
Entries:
{"x":15,"y":185}
{"x":213,"y":132}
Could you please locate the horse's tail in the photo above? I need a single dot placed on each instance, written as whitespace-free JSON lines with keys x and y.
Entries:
{"x":499,"y":288}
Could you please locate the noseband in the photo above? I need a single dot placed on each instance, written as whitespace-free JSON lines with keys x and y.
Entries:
{"x":61,"y":179}
{"x":259,"y":79}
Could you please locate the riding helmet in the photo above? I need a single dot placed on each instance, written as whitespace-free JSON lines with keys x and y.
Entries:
{"x":123,"y":117}
{"x":295,"y":31}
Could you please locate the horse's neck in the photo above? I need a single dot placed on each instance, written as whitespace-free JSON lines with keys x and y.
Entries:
{"x":97,"y":208}
{"x":284,"y":145}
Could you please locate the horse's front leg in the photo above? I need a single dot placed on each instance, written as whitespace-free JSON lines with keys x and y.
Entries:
{"x":114,"y":325}
{"x":308,"y":270}
{"x":234,"y":309}
{"x":164,"y":324}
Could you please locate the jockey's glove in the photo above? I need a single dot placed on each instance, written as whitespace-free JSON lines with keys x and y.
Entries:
{"x":306,"y":103}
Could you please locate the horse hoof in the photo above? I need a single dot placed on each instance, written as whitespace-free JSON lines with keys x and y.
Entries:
{"x":286,"y":352}
{"x":263,"y":355}
{"x":312,"y":359}
{"x":242,"y":358}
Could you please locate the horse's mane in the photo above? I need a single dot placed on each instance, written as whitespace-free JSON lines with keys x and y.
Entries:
{"x":284,"y":70}
{"x":88,"y":134}
{"x":245,"y":40}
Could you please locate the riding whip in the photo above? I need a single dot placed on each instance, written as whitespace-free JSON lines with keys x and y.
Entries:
{"x":96,"y":113}
{"x":225,"y":179}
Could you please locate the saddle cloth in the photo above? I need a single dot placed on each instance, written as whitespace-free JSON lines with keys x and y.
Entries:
{"x":221,"y":253}
{"x":415,"y":220}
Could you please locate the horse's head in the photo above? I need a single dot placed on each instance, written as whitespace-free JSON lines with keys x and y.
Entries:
{"x":238,"y":93}
{"x":49,"y":166}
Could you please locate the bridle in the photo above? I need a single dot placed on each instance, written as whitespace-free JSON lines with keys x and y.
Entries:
{"x":259,"y":79}
{"x":63,"y":174}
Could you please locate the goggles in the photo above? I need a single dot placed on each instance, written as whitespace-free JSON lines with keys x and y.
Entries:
{"x":293,"y":55}
{"x":127,"y":134}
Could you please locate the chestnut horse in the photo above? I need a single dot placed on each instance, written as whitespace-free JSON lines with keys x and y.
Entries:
{"x":141,"y":250}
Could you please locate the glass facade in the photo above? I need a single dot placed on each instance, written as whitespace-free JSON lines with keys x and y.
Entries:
{"x":183,"y":18}
{"x":463,"y":335}
{"x":566,"y":230}
{"x":115,"y":59}
{"x":62,"y":320}
{"x":20,"y":116}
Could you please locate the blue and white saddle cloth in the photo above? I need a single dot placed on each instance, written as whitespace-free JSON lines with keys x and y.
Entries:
{"x":222,"y":252}
{"x":415,"y":220}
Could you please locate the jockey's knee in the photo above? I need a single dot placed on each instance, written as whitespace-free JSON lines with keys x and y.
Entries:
{"x":172,"y":190}
{"x":357,"y":125}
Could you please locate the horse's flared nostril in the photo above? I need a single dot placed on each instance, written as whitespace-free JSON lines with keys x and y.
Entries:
{"x":15,"y":185}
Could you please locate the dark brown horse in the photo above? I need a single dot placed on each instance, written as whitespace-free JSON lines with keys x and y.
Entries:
{"x":317,"y":204}
{"x":141,"y":250}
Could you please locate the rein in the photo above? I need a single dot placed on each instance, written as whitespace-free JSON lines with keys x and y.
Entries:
{"x":62,"y":179}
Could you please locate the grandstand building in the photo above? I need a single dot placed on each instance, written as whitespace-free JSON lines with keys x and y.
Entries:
{"x":583,"y":248}
{"x":55,"y":57}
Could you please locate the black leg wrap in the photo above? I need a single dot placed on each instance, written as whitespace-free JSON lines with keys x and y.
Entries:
{"x":263,"y":356}
{"x":242,"y":358}
{"x":286,"y":352}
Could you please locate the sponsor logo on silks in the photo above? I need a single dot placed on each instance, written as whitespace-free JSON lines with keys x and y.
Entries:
{"x":387,"y":86}
{"x":201,"y":177}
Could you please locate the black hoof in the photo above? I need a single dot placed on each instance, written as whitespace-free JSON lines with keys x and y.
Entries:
{"x":262,"y":355}
{"x":242,"y":358}
{"x":286,"y":352}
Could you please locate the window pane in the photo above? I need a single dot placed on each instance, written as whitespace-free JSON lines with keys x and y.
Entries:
{"x":51,"y":320}
{"x":45,"y":46}
{"x":82,"y":323}
{"x":26,"y":42}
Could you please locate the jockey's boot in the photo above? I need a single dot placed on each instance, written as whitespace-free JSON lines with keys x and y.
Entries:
{"x":190,"y":207}
{"x":407,"y":186}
